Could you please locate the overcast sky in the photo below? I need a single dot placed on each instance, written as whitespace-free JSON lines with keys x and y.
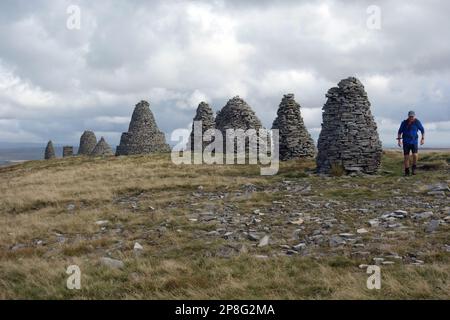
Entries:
{"x":55,"y":82}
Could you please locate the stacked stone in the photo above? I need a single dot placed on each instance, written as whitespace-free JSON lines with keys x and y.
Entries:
{"x":295,"y":140}
{"x":49,"y":151}
{"x":206,"y":116}
{"x":349,"y":136}
{"x":88,"y":141}
{"x":67,"y":151}
{"x":143,"y":135}
{"x":237,"y":114}
{"x":102,"y":149}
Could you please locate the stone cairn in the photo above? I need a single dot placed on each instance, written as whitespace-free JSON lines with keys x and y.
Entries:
{"x":349,"y":137}
{"x":67,"y":151}
{"x":237,"y":114}
{"x":295,"y":141}
{"x":143,"y":135}
{"x":206,"y":115}
{"x":102,"y":149}
{"x":49,"y":151}
{"x":88,"y":141}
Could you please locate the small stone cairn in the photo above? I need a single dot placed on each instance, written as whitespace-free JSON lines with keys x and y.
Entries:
{"x":206,"y":116}
{"x":237,"y":114}
{"x":295,"y":140}
{"x":67,"y":151}
{"x":88,"y":141}
{"x":143,"y":135}
{"x":49,"y":151}
{"x":102,"y":149}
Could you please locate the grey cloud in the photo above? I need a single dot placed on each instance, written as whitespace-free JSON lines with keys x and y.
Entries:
{"x":57,"y":82}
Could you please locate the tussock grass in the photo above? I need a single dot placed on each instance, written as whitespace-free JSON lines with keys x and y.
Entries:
{"x":149,"y":200}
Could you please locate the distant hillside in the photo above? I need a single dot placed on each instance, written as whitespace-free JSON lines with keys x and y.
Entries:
{"x":16,"y":153}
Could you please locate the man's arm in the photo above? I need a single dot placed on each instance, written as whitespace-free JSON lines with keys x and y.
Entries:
{"x":422,"y":131}
{"x":400,"y":133}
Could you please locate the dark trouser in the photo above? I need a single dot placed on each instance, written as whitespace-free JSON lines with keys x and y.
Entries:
{"x":410,"y":147}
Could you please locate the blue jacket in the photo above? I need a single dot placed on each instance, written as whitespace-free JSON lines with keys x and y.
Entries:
{"x":410,"y":135}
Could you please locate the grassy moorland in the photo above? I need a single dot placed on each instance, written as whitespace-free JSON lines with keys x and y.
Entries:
{"x":202,"y":230}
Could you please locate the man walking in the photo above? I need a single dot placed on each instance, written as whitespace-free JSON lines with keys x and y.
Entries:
{"x":408,"y":132}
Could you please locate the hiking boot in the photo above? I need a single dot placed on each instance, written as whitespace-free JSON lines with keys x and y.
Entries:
{"x":414,"y":167}
{"x":406,"y":172}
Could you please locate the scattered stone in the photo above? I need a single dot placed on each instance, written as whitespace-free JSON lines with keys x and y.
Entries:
{"x":138,"y":247}
{"x":101,"y":222}
{"x":439,"y":187}
{"x":60,"y":238}
{"x":392,"y":216}
{"x":378,"y":260}
{"x":374,"y":223}
{"x":394,"y":256}
{"x":88,"y":141}
{"x":18,"y":246}
{"x":295,"y":140}
{"x":70,"y":207}
{"x":362,"y":231}
{"x":102,"y":149}
{"x":336,"y":241}
{"x":49,"y":151}
{"x":228,"y":234}
{"x":297,"y":222}
{"x":264,"y":241}
{"x":112,"y":263}
{"x":349,"y":137}
{"x":143,"y":135}
{"x":440,"y":194}
{"x":432,"y":226}
{"x":299,"y":247}
{"x":394,"y":225}
{"x":399,"y":214}
{"x":297,"y":233}
{"x":418,"y":262}
{"x":346,"y":235}
{"x":423,"y":215}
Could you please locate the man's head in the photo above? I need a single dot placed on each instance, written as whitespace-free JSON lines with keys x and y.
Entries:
{"x":411,"y":115}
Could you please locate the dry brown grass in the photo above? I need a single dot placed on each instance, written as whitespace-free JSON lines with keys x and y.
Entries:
{"x":178,"y":263}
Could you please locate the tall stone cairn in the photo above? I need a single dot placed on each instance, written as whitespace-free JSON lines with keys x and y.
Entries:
{"x":88,"y":141}
{"x":206,"y":116}
{"x":49,"y":151}
{"x":295,"y":140}
{"x":67,"y":151}
{"x":349,"y":136}
{"x":102,"y":149}
{"x":237,"y":114}
{"x":143,"y":135}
